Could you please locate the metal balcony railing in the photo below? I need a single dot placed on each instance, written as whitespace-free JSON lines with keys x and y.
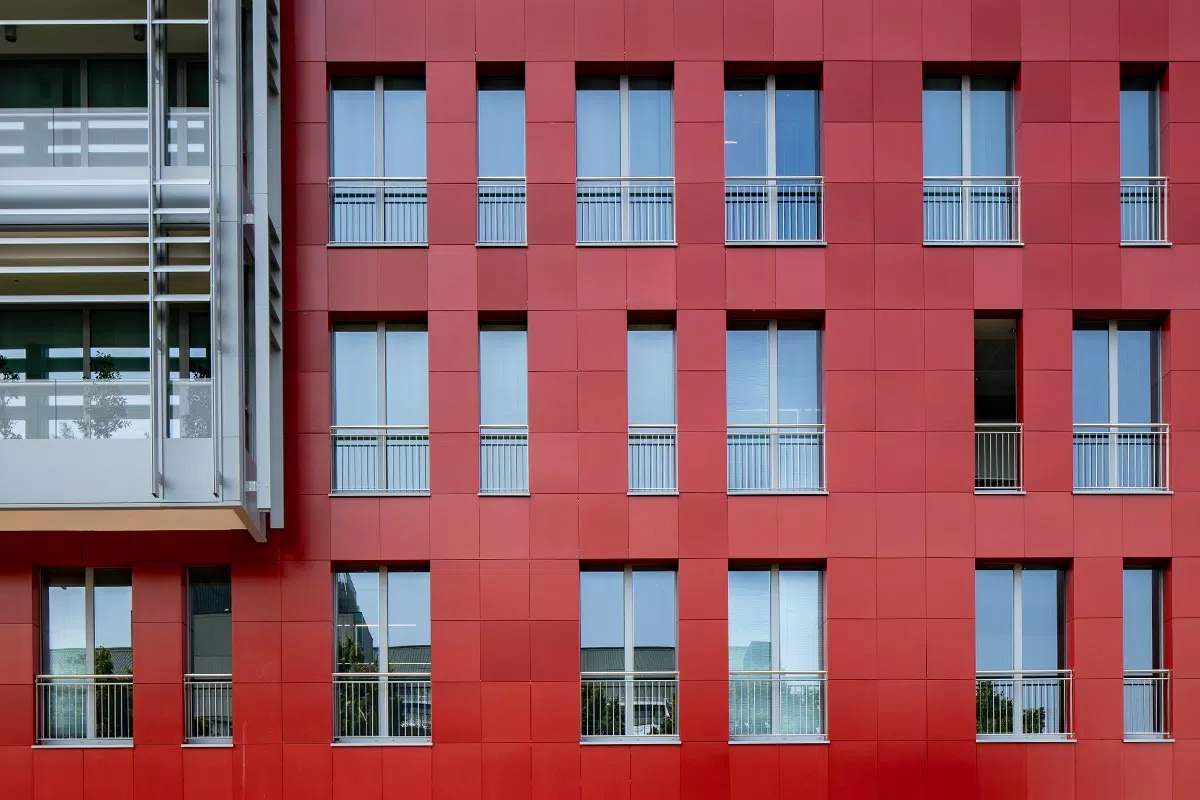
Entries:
{"x":504,"y":459}
{"x":381,"y":705}
{"x":625,"y":210}
{"x":1144,"y":210}
{"x":380,"y":459}
{"x":379,"y":211}
{"x":83,"y":708}
{"x":776,"y":704}
{"x":99,"y":137}
{"x":502,"y":211}
{"x":653,"y":459}
{"x":998,"y":457}
{"x":1147,"y":704}
{"x":776,"y":459}
{"x":209,"y":712}
{"x":637,"y":705}
{"x":779,"y":210}
{"x":1124,"y":457}
{"x":972,"y":209}
{"x":1023,"y":703}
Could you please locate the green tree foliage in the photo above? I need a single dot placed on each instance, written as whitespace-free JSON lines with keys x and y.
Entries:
{"x":994,"y":711}
{"x":104,"y":406}
{"x":7,"y":395}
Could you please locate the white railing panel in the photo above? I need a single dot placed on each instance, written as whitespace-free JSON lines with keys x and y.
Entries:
{"x":504,"y":459}
{"x":1147,"y":704}
{"x":774,"y":210}
{"x":972,"y":210}
{"x":781,"y":459}
{"x":998,"y":457}
{"x":653,"y":459}
{"x":1024,"y":703}
{"x":99,"y":137}
{"x":74,"y":708}
{"x":1144,"y":210}
{"x":502,"y":211}
{"x":384,"y":459}
{"x":774,"y":703}
{"x":209,"y":712}
{"x":629,"y":704}
{"x":1126,"y":457}
{"x":377,"y":705}
{"x":378,"y":211}
{"x":625,"y":210}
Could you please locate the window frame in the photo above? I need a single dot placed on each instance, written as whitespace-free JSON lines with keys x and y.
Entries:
{"x":626,"y":137}
{"x":771,"y":142}
{"x":381,"y":388}
{"x":1154,"y":135}
{"x":1157,"y":611}
{"x":379,"y":132}
{"x":1018,"y":570}
{"x":965,"y":132}
{"x":1113,"y":328}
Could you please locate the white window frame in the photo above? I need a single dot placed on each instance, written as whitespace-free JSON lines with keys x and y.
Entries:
{"x":965,"y":138}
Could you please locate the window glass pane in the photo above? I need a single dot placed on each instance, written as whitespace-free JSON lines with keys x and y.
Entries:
{"x":602,"y":621}
{"x":801,"y":620}
{"x":799,"y":365}
{"x":355,"y":376}
{"x":651,"y":377}
{"x":797,"y":130}
{"x":210,"y":621}
{"x":1089,"y":375}
{"x":1139,"y":616}
{"x":403,"y":132}
{"x":116,"y":83}
{"x":991,"y":127}
{"x":747,"y":376}
{"x":41,"y":345}
{"x":113,"y":607}
{"x":1040,"y":619}
{"x":120,"y":345}
{"x":503,"y":378}
{"x":1139,"y":134}
{"x":356,"y":626}
{"x":746,"y":128}
{"x":501,"y":133}
{"x":598,"y":129}
{"x":353,"y":130}
{"x":994,"y":630}
{"x":408,"y":622}
{"x":941,"y":112}
{"x":196,"y":84}
{"x":650,"y":128}
{"x":407,"y":375}
{"x":749,"y":620}
{"x":35,"y":83}
{"x":653,"y":621}
{"x":65,"y":636}
{"x":1137,"y":375}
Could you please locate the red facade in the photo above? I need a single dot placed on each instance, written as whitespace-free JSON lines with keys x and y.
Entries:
{"x":900,"y":531}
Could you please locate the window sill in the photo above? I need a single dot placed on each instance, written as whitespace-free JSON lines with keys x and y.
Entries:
{"x":1149,"y":740}
{"x":654,"y":493}
{"x":1000,"y":492}
{"x":779,"y":243}
{"x":626,"y":244}
{"x":412,"y":741}
{"x":77,"y":744}
{"x":1145,"y":244}
{"x":777,"y":492}
{"x":639,"y":740}
{"x":361,"y":245}
{"x":207,"y":745}
{"x":1006,"y":739}
{"x":379,"y":494}
{"x":502,"y":244}
{"x":504,"y":494}
{"x":1143,"y":492}
{"x":781,"y":739}
{"x":973,"y":244}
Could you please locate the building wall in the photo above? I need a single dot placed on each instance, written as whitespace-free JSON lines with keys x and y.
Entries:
{"x":900,"y":530}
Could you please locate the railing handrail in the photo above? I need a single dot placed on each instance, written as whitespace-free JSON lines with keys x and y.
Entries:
{"x":1147,"y":673}
{"x":581,"y":178}
{"x":336,"y":428}
{"x":1022,"y":673}
{"x":664,"y":674}
{"x":640,"y":425}
{"x":1016,"y":425}
{"x":1144,"y":178}
{"x":816,"y":673}
{"x":205,"y":677}
{"x":376,"y":675}
{"x":813,"y":425}
{"x":490,"y":426}
{"x":503,"y":179}
{"x":1155,"y":426}
{"x":99,"y":111}
{"x":774,"y":177}
{"x":376,"y":178}
{"x":972,"y":177}
{"x":52,"y":678}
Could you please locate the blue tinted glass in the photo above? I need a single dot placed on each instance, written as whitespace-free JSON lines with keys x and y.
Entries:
{"x":1139,"y":603}
{"x":747,"y":376}
{"x":991,"y":128}
{"x":404,"y":133}
{"x":654,"y":620}
{"x":941,"y":112}
{"x":801,"y":620}
{"x":649,"y":129}
{"x":1137,"y":376}
{"x":749,"y":620}
{"x":598,"y":132}
{"x":353,"y":133}
{"x":746,"y":131}
{"x":1089,"y":375}
{"x":1040,"y":619}
{"x":797,"y":127}
{"x":799,"y":363}
{"x":994,"y":619}
{"x":355,"y":376}
{"x":1139,"y":138}
{"x":651,"y":377}
{"x":407,"y":355}
{"x":503,"y":378}
{"x":501,"y":133}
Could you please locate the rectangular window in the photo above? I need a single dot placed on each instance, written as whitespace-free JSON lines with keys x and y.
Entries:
{"x":377,"y":161}
{"x":624,"y":152}
{"x":1022,"y":685}
{"x":998,"y":454}
{"x":501,"y":161}
{"x":85,"y":691}
{"x":1147,"y":699}
{"x":209,"y":679}
{"x":381,"y":408}
{"x":1120,"y":441}
{"x":1143,"y":188}
{"x":971,"y":191}
{"x":503,"y":410}
{"x":652,"y":431}
{"x":381,"y":630}
{"x":776,"y":653}
{"x":628,"y":653}
{"x":775,"y":408}
{"x":773,"y":159}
